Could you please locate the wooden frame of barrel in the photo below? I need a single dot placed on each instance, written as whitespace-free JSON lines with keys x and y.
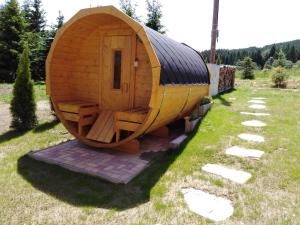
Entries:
{"x":112,"y":80}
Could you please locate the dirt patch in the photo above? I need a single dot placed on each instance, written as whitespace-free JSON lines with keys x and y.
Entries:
{"x":6,"y":90}
{"x":43,"y":113}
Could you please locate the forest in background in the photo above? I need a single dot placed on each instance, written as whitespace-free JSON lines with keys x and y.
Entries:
{"x":259,"y":55}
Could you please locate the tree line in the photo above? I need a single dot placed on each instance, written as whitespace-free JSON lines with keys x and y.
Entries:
{"x":259,"y":55}
{"x":20,"y":26}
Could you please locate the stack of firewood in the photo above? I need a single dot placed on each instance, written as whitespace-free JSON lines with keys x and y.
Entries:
{"x":226,"y":78}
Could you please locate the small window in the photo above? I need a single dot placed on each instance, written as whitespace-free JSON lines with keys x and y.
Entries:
{"x":117,"y":69}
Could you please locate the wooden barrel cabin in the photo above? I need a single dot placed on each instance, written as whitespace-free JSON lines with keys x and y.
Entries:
{"x":111,"y":79}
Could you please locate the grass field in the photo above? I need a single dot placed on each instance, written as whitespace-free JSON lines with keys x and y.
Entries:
{"x":36,"y":193}
{"x":6,"y":92}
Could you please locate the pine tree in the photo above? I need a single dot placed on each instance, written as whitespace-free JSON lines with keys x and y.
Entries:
{"x":11,"y":31}
{"x":23,"y":105}
{"x":36,"y":16}
{"x":52,"y":32}
{"x":36,"y":36}
{"x":247,"y":66}
{"x":129,"y":8}
{"x":292,"y":55}
{"x":154,"y":15}
{"x":272,"y":52}
{"x":281,"y":59}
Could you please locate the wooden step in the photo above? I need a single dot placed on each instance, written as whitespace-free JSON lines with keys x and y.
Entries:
{"x":103,"y":129}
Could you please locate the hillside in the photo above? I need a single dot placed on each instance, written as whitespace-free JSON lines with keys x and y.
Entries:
{"x":259,"y":55}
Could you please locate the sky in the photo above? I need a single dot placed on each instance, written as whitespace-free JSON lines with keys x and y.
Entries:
{"x":242,"y":23}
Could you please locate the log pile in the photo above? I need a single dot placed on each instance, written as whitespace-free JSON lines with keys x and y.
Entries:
{"x":226,"y":78}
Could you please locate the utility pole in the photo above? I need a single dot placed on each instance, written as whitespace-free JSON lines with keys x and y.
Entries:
{"x":214,"y":32}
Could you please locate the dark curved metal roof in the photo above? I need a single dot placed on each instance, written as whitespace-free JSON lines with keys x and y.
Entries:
{"x":180,"y":64}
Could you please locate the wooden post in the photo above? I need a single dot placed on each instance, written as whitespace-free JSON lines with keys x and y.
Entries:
{"x":214,"y":32}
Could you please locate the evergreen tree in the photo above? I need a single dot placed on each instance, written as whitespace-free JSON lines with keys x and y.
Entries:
{"x":35,"y":15}
{"x":154,"y":15}
{"x":36,"y":36}
{"x":281,"y":59}
{"x":52,"y":32}
{"x":23,"y":105}
{"x":272,"y":52}
{"x":129,"y":8}
{"x":269,"y":63}
{"x":292,"y":55}
{"x":11,"y":31}
{"x":247,"y":66}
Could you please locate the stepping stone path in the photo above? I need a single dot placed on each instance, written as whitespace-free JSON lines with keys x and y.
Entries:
{"x":251,"y":137}
{"x":257,"y":106}
{"x":244,"y":152}
{"x":217,"y":208}
{"x":237,"y":176}
{"x":255,"y":114}
{"x":259,"y":98}
{"x":208,"y":205}
{"x":257,"y":101}
{"x":253,"y":123}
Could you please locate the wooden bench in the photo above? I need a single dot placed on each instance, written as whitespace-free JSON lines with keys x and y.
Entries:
{"x":83,"y":113}
{"x":129,"y":120}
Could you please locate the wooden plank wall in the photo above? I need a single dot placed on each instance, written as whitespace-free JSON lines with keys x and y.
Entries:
{"x":84,"y":81}
{"x":143,"y":78}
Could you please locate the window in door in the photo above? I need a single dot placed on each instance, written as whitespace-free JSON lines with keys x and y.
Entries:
{"x":117,"y":69}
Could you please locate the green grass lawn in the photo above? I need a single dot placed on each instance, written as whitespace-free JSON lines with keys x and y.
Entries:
{"x":32,"y":192}
{"x":6,"y":92}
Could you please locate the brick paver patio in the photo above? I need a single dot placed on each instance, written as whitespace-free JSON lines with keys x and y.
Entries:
{"x":111,"y":165}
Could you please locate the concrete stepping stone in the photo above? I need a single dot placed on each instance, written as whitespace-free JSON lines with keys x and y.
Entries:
{"x":259,"y":98}
{"x":257,"y":101}
{"x":232,"y":98}
{"x":253,"y":123}
{"x":237,"y":176}
{"x":251,"y":137}
{"x":255,"y":114}
{"x":244,"y":152}
{"x":208,"y":205}
{"x":257,"y":106}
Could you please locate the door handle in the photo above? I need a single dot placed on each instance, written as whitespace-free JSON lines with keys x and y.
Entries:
{"x":125,"y":87}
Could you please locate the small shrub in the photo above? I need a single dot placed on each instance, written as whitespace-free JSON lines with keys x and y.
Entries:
{"x":23,"y":106}
{"x":280,"y":77}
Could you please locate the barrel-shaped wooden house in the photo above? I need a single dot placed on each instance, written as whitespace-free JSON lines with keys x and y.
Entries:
{"x":112,"y":79}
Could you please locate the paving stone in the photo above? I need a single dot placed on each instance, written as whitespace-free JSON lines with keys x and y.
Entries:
{"x":251,"y":137}
{"x":110,"y":165}
{"x":253,"y":123}
{"x":255,"y":114}
{"x":257,"y":106}
{"x":259,"y":98}
{"x":232,"y":98}
{"x":237,"y":176}
{"x":207,"y":205}
{"x":177,"y":141}
{"x":257,"y":101}
{"x":244,"y":152}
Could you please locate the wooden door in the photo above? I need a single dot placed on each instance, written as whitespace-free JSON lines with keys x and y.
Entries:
{"x":115,"y":88}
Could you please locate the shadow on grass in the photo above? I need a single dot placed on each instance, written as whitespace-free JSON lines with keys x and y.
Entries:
{"x":12,"y":134}
{"x":45,"y":126}
{"x":222,"y":99}
{"x":83,"y":190}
